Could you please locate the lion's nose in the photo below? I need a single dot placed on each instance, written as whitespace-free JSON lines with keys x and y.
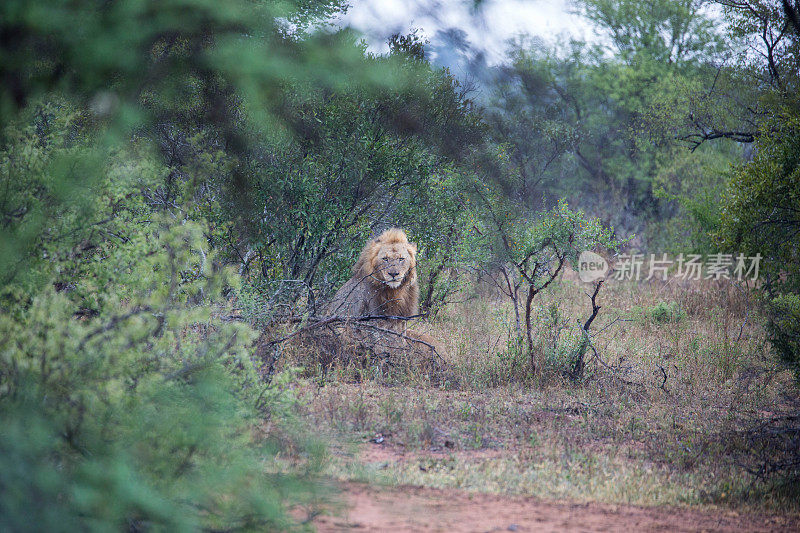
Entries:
{"x":394,"y":274}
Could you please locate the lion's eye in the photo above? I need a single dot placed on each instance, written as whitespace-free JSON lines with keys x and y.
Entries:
{"x":402,"y":259}
{"x":385,"y":258}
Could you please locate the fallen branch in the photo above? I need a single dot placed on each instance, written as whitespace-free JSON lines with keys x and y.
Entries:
{"x":404,"y":336}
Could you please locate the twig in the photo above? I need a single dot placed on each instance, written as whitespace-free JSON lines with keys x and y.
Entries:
{"x":112,"y":324}
{"x":663,"y":383}
{"x":324,"y":321}
{"x":618,"y":319}
{"x":746,"y":313}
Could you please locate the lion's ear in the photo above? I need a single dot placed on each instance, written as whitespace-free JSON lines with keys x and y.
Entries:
{"x":412,"y":248}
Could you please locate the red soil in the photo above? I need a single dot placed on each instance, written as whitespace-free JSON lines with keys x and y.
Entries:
{"x":372,"y":508}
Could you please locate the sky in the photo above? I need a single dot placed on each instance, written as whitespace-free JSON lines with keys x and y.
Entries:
{"x":487,"y":28}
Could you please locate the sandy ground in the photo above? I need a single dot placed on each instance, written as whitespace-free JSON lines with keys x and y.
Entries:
{"x":422,"y":509}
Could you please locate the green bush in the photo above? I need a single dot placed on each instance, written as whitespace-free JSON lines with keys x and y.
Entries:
{"x":783,"y":325}
{"x":660,"y":313}
{"x":139,"y":417}
{"x":760,"y":216}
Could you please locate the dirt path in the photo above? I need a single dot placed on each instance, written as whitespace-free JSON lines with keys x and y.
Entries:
{"x":422,"y":509}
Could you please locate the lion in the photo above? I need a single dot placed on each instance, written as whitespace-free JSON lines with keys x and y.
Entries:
{"x":384,"y":281}
{"x":382,"y":291}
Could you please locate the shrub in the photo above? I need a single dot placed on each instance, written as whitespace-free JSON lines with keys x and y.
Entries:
{"x":661,"y":313}
{"x":141,"y":416}
{"x":783,"y":325}
{"x":760,"y":216}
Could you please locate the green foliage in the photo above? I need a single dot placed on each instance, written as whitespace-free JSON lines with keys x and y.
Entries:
{"x":127,"y":54}
{"x":442,"y":221}
{"x":693,"y":183}
{"x":529,"y":251}
{"x":566,"y":231}
{"x":143,"y":147}
{"x":147,"y":145}
{"x":64,"y":208}
{"x":509,"y":365}
{"x":532,"y":241}
{"x":784,"y":329}
{"x":145,"y":409}
{"x":660,"y":313}
{"x":668,"y":31}
{"x":607,"y":120}
{"x":760,"y":216}
{"x":531,"y":121}
{"x":759,"y":213}
{"x":570,"y":116}
{"x":175,"y":460}
{"x":201,"y":83}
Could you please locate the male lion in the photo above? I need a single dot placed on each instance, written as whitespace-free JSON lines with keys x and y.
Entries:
{"x":384,"y":284}
{"x":384,"y":281}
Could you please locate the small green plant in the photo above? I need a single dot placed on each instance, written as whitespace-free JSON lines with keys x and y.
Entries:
{"x":390,"y":411}
{"x":511,"y":364}
{"x":660,"y":313}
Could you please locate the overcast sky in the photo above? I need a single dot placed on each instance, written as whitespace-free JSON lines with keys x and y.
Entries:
{"x":487,"y":28}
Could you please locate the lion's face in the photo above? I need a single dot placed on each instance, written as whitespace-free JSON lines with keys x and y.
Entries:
{"x":393,"y":262}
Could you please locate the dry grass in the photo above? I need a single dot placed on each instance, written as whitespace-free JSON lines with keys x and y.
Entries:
{"x":680,"y":371}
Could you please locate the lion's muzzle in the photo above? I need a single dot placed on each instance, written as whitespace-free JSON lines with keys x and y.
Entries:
{"x":394,"y":283}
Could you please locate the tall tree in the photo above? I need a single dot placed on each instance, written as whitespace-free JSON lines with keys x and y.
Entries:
{"x":668,"y":31}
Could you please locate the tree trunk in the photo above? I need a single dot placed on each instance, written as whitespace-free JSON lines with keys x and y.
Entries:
{"x":427,"y":301}
{"x":580,"y":364}
{"x":513,"y":293}
{"x":528,"y":328}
